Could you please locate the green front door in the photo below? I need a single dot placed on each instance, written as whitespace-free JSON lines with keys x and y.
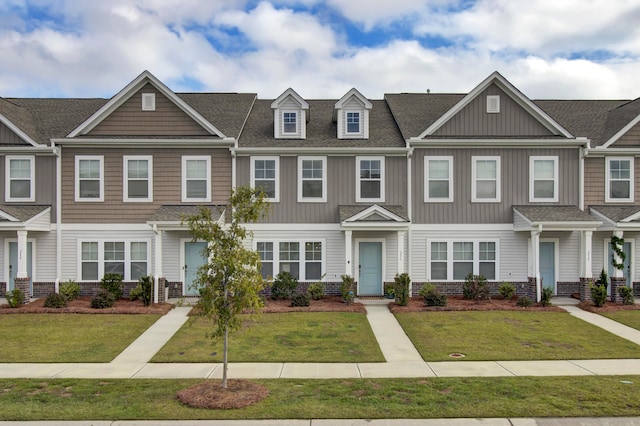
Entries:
{"x":193,"y":259}
{"x":13,"y":264}
{"x":370,"y":277}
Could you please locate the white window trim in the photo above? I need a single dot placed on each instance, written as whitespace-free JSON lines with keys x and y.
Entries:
{"x":127,"y":256}
{"x":302,"y":260}
{"x":382,"y":179}
{"x":532,"y":161}
{"x":428,"y":199}
{"x":148,"y":102}
{"x":125,"y":178}
{"x":186,"y":158}
{"x":321,"y":199}
{"x":476,"y":256}
{"x":493,"y":104}
{"x":607,"y":188}
{"x":360,"y":131}
{"x":253,"y":159}
{"x":32,"y":178}
{"x":474,"y":197}
{"x":100,"y":159}
{"x":282,"y":123}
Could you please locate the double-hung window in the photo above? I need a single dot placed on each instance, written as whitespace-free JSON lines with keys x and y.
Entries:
{"x":89,"y":178}
{"x":438,"y":173}
{"x":453,"y":260}
{"x":485,"y":184}
{"x":543,"y":179}
{"x":304,"y":259}
{"x":265,"y":250}
{"x":312,"y":179}
{"x":353,"y":122}
{"x":20,"y":178}
{"x":196,"y":178}
{"x":370,"y":179}
{"x":264,"y":176}
{"x":289,"y":122}
{"x":619,"y":179}
{"x":130,"y":259}
{"x":138,"y":178}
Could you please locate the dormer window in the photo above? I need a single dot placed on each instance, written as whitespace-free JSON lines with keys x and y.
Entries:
{"x":353,"y":122}
{"x":290,"y":122}
{"x":290,"y":116}
{"x":351,"y":115}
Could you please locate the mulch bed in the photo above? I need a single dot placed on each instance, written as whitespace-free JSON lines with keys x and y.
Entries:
{"x":326,"y":304}
{"x":82,"y":305}
{"x":211,"y":394}
{"x":608,"y":307}
{"x":458,"y":303}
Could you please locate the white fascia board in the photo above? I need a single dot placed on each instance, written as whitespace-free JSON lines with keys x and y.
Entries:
{"x":46,"y":211}
{"x":374,"y":226}
{"x":319,"y":151}
{"x":511,"y":143}
{"x":604,"y":219}
{"x":15,"y":129}
{"x":565,"y":226}
{"x":146,"y":142}
{"x":462,"y":227}
{"x":601,"y":151}
{"x":116,"y":227}
{"x":353,"y":92}
{"x":289,"y":92}
{"x":292,"y":226}
{"x":627,"y":226}
{"x":7,"y":216}
{"x":374,"y":209}
{"x":634,"y":216}
{"x":621,"y":132}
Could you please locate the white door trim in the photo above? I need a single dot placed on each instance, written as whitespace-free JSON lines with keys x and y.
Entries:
{"x":357,"y":257}
{"x":7,"y":257}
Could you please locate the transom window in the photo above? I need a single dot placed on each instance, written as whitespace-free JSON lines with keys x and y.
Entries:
{"x":264,"y":176}
{"x":370,"y":181}
{"x":289,"y":122}
{"x":138,"y":178}
{"x":486,"y":179}
{"x":619,"y":179}
{"x":130,"y":259}
{"x":303,"y":259}
{"x":454,"y":260}
{"x":196,"y":178}
{"x":439,"y":179}
{"x":312,"y":179}
{"x":353,"y":122}
{"x":543,"y":185}
{"x":20,"y":178}
{"x":89,"y":178}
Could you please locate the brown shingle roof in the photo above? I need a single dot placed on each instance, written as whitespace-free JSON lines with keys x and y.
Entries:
{"x":23,"y":212}
{"x":554,"y":214}
{"x":415,"y":112}
{"x":226,"y":111}
{"x":616,"y":213}
{"x":177,"y":213}
{"x":347,"y":211}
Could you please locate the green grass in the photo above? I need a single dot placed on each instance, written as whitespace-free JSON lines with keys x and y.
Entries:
{"x":630,"y":318}
{"x":68,"y":338}
{"x":511,"y":335}
{"x":281,"y":337}
{"x":105,"y":399}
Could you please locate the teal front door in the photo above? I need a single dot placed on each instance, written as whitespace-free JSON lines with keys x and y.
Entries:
{"x":548,"y":264}
{"x":193,"y":259}
{"x":13,"y":264}
{"x":626,"y":272}
{"x":370,"y":268}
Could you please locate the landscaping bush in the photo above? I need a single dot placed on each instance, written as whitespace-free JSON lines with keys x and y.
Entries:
{"x":432,"y":296}
{"x":475,"y":287}
{"x":283,"y":286}
{"x":346,"y":288}
{"x":70,"y":290}
{"x":627,"y":295}
{"x":389,"y":292}
{"x":102,"y":300}
{"x":300,"y":299}
{"x":113,"y":284}
{"x":603,"y":279}
{"x":316,"y":290}
{"x":401,"y":284}
{"x":546,"y":295}
{"x":15,"y":298}
{"x":55,"y":300}
{"x":143,"y":291}
{"x":599,"y":294}
{"x":524,"y":302}
{"x":507,"y":290}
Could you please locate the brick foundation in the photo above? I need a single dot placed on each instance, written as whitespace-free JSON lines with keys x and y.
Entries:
{"x":24,"y":284}
{"x":93,"y":288}
{"x":567,"y":289}
{"x":532,"y":291}
{"x":454,"y":288}
{"x":162,"y":290}
{"x":330,"y":288}
{"x":175,"y":289}
{"x":616,"y":283}
{"x":43,"y":289}
{"x":636,"y":289}
{"x":585,"y":289}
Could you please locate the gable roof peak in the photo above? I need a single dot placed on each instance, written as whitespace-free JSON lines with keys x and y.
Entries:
{"x":353,"y":93}
{"x":290,"y":93}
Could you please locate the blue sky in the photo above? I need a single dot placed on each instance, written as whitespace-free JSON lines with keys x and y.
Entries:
{"x":568,"y":49}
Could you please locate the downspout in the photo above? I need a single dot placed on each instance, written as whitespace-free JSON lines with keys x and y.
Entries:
{"x":58,"y":153}
{"x":581,"y":178}
{"x":409,"y":210}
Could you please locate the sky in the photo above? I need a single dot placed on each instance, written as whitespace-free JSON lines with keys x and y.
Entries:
{"x":549,"y":49}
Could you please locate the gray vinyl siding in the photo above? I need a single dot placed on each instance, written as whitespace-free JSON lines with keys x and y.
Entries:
{"x":171,"y":254}
{"x":599,"y":241}
{"x":390,"y":255}
{"x":514,"y":184}
{"x":569,"y":254}
{"x":341,"y":188}
{"x":8,"y":137}
{"x":44,"y":257}
{"x":45,"y":187}
{"x":512,"y":120}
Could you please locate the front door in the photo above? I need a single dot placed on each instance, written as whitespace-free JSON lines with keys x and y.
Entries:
{"x":193,"y":259}
{"x":626,"y":272}
{"x":370,"y":269}
{"x":548,"y":264}
{"x":13,"y":263}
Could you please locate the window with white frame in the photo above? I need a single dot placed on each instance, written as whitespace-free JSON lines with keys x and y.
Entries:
{"x":130,"y":259}
{"x":438,"y":173}
{"x":138,"y":178}
{"x":619,"y":179}
{"x":303,"y":259}
{"x":454,"y":260}
{"x":312,"y":179}
{"x":196,"y":178}
{"x":89,"y":178}
{"x":148,"y":101}
{"x":543,"y":179}
{"x":290,"y":122}
{"x":370,"y":179}
{"x":264,"y":176}
{"x":20,"y":178}
{"x":353,"y":122}
{"x":485,"y":184}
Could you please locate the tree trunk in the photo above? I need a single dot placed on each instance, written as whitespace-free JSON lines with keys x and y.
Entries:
{"x":224,"y":358}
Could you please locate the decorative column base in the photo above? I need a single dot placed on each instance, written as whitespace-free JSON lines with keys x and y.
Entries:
{"x":162,"y":293}
{"x":24,"y":284}
{"x":585,"y":288}
{"x":616,"y":283}
{"x":531,"y":290}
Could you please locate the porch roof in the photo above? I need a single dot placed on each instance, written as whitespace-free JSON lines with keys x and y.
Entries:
{"x":172,"y":216}
{"x":373,"y":217}
{"x":552,"y":218}
{"x":28,"y":217}
{"x":617,"y":216}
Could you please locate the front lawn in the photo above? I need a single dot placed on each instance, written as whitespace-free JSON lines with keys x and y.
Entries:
{"x":280,"y":337}
{"x":630,"y":318}
{"x":68,"y":337}
{"x":510,"y":335}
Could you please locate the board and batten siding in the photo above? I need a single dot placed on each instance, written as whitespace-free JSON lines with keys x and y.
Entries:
{"x":167,"y":184}
{"x":514,"y":184}
{"x":595,"y":181}
{"x":45,"y":187}
{"x":341,"y":188}
{"x":130,"y":120}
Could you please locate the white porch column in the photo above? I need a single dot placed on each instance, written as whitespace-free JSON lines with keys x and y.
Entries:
{"x":587,"y":239}
{"x":348,"y":266}
{"x":158,"y":262}
{"x":618,"y":273}
{"x":535,"y":261}
{"x":400,"y":252}
{"x":22,"y":255}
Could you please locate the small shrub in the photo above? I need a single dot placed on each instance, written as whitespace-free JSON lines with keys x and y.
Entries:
{"x":55,"y":300}
{"x":300,"y":299}
{"x":113,"y":284}
{"x":627,"y":295}
{"x":316,"y":290}
{"x":346,"y":288}
{"x":524,"y":302}
{"x":401,"y":286}
{"x":15,"y":298}
{"x":103,"y":300}
{"x":603,"y":279}
{"x":432,"y":296}
{"x":475,"y":287}
{"x":283,"y":286}
{"x":70,"y":290}
{"x":143,"y":291}
{"x":598,"y":295}
{"x":507,"y":290}
{"x":389,"y":292}
{"x":545,"y":297}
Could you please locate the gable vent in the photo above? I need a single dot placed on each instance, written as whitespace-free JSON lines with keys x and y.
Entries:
{"x":148,"y":101}
{"x":493,"y":104}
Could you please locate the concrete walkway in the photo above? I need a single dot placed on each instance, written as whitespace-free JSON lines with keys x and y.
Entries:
{"x":605,"y":323}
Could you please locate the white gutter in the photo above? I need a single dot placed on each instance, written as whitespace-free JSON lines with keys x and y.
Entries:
{"x":58,"y":152}
{"x":320,"y":150}
{"x":513,"y":143}
{"x":147,"y":142}
{"x":409,"y":211}
{"x":581,"y":179}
